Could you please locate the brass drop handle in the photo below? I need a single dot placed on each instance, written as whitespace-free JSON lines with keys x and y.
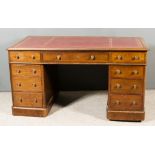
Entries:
{"x":19,"y":84}
{"x":34,"y":85}
{"x":135,"y":72}
{"x":118,"y":86}
{"x":58,"y":57}
{"x":133,"y":102}
{"x":17,"y":57}
{"x":18,"y":71}
{"x":34,"y":71}
{"x":92,"y":57}
{"x":135,"y":58}
{"x":33,"y":57}
{"x":118,"y":71}
{"x":134,"y":86}
{"x":119,"y":57}
{"x":21,"y":100}
{"x":35,"y":100}
{"x":117,"y":102}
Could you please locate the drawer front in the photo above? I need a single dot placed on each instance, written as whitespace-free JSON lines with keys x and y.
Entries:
{"x":130,"y":72}
{"x":26,"y":56}
{"x":124,"y":86}
{"x":126,"y":103}
{"x":26,"y":84}
{"x":126,"y":57}
{"x":23,"y":99}
{"x":76,"y":57}
{"x":25,"y":70}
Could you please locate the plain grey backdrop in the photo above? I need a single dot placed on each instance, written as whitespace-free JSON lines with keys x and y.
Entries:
{"x":9,"y":36}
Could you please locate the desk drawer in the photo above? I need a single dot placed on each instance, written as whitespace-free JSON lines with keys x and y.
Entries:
{"x":25,"y":70}
{"x":124,"y":86}
{"x":24,"y":56}
{"x":77,"y":57}
{"x":126,"y":103}
{"x":130,"y":72}
{"x":126,"y":57}
{"x":28,"y":99}
{"x":26,"y":84}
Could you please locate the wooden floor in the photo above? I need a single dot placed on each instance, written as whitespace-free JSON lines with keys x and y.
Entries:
{"x":75,"y":108}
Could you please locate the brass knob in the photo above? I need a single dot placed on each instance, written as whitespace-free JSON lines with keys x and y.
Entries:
{"x":134,"y":86}
{"x":117,"y":102}
{"x":133,"y":102}
{"x":19,"y":84}
{"x":19,"y":71}
{"x":119,"y":57}
{"x":118,"y":86}
{"x":18,"y":57}
{"x":21,"y":100}
{"x":34,"y":85}
{"x":33,"y":57}
{"x":135,"y":72}
{"x":58,"y":57}
{"x":34,"y":71}
{"x":92,"y":57}
{"x":118,"y":71}
{"x":135,"y":58}
{"x":35,"y":100}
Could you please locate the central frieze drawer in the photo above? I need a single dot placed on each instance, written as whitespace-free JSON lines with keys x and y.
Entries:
{"x":124,"y":86}
{"x":68,"y":56}
{"x":26,"y":84}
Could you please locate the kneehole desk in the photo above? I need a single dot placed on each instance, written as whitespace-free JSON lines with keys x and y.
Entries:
{"x":33,"y":69}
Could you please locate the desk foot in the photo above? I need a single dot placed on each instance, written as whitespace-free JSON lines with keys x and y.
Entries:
{"x":34,"y":112}
{"x":126,"y":115}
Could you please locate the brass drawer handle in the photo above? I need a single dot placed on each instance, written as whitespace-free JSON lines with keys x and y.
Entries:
{"x":119,"y":57}
{"x":117,"y":102}
{"x":135,"y":58}
{"x":19,"y":84}
{"x":34,"y":71}
{"x":19,"y":71}
{"x":134,"y":86}
{"x":133,"y":102}
{"x":135,"y":72}
{"x":35,"y":100}
{"x":33,"y":57}
{"x":58,"y":57}
{"x":118,"y":71}
{"x":17,"y":57}
{"x":118,"y":86}
{"x":34,"y":85}
{"x":92,"y":57}
{"x":21,"y":100}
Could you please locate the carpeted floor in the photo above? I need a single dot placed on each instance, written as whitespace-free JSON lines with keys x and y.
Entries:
{"x":75,"y":108}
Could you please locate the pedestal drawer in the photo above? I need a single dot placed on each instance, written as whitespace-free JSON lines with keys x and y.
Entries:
{"x":28,"y":99}
{"x":124,"y":86}
{"x":25,"y":70}
{"x":129,"y":72}
{"x":27,"y":84}
{"x":126,"y":103}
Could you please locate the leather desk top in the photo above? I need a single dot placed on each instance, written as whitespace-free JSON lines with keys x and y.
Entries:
{"x":80,"y":43}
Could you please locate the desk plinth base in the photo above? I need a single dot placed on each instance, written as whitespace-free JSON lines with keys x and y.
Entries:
{"x":34,"y":112}
{"x":126,"y":115}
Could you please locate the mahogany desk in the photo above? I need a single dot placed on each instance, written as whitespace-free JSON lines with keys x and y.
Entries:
{"x":34,"y":82}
